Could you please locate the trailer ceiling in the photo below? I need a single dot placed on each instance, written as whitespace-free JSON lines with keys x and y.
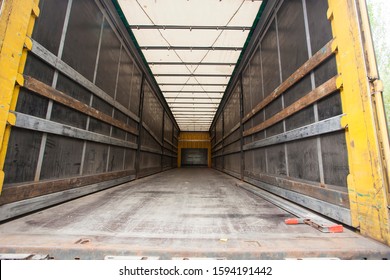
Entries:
{"x":191,"y":47}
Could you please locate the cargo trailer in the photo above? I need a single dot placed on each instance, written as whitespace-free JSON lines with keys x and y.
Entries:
{"x":191,"y":130}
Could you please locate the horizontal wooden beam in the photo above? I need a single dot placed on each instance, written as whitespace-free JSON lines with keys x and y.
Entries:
{"x":312,"y":189}
{"x":64,"y":68}
{"x":302,"y":71}
{"x":43,"y":125}
{"x":16,"y":192}
{"x":170,"y":143}
{"x":312,"y":97}
{"x":47,"y":91}
{"x":18,"y":208}
{"x":311,"y":130}
{"x":336,"y":212}
{"x":151,"y":150}
{"x":151,"y":133}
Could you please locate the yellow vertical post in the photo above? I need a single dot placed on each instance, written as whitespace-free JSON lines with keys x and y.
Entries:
{"x":367,"y":184}
{"x":17,"y":20}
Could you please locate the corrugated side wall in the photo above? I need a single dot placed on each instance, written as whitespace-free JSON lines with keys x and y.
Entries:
{"x":87,"y":118}
{"x":287,"y":137}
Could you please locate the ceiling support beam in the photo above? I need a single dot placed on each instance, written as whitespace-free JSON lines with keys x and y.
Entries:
{"x":191,"y":75}
{"x":188,"y":27}
{"x":191,"y":63}
{"x":189,"y":48}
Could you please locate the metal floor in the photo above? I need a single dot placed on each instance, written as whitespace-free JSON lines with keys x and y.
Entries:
{"x":181,"y":213}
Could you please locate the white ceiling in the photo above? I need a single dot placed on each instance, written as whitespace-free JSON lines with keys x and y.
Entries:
{"x":192,"y":47}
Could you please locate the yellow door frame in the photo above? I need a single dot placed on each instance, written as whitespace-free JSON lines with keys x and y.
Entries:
{"x":17,"y":20}
{"x":366,"y":131}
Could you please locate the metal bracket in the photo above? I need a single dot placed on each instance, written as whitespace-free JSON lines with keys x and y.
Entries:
{"x":329,"y":228}
{"x":11,"y":119}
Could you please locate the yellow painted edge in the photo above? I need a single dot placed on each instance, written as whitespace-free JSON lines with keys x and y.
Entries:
{"x":377,"y":92}
{"x":366,"y":184}
{"x":16,"y":25}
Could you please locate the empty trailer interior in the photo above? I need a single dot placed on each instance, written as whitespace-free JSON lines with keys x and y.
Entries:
{"x":85,"y":114}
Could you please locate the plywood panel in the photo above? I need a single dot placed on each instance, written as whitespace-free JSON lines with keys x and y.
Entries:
{"x":22,"y":156}
{"x":95,"y":158}
{"x":62,"y":157}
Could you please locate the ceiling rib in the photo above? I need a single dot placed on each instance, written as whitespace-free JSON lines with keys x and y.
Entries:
{"x":190,"y":75}
{"x":190,"y":48}
{"x":191,"y":63}
{"x":189,"y":27}
{"x":191,"y":91}
{"x":198,"y":98}
{"x":206,"y":85}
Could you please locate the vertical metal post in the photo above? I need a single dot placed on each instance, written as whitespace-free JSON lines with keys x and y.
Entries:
{"x":242,"y":155}
{"x":282,"y":97}
{"x":91,"y":98}
{"x":162,"y":147}
{"x":139,"y":138}
{"x":223,"y":141}
{"x":313,"y":86}
{"x":54,"y":85}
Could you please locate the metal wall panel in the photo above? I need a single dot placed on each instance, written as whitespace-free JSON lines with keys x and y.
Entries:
{"x":82,"y":37}
{"x":79,"y":56}
{"x":22,"y":156}
{"x":54,"y":11}
{"x":108,"y":64}
{"x":194,"y":157}
{"x":62,"y":157}
{"x":125,"y":76}
{"x":293,"y":33}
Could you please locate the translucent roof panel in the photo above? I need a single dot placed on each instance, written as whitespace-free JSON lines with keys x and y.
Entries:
{"x":192,"y":48}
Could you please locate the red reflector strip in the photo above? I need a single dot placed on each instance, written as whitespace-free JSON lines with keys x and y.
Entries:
{"x":293,"y":221}
{"x":336,"y":229}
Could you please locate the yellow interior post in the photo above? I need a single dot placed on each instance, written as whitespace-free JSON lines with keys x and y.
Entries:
{"x":16,"y":24}
{"x":367,"y":184}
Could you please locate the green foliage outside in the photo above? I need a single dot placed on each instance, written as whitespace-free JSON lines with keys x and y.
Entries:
{"x":380,"y":25}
